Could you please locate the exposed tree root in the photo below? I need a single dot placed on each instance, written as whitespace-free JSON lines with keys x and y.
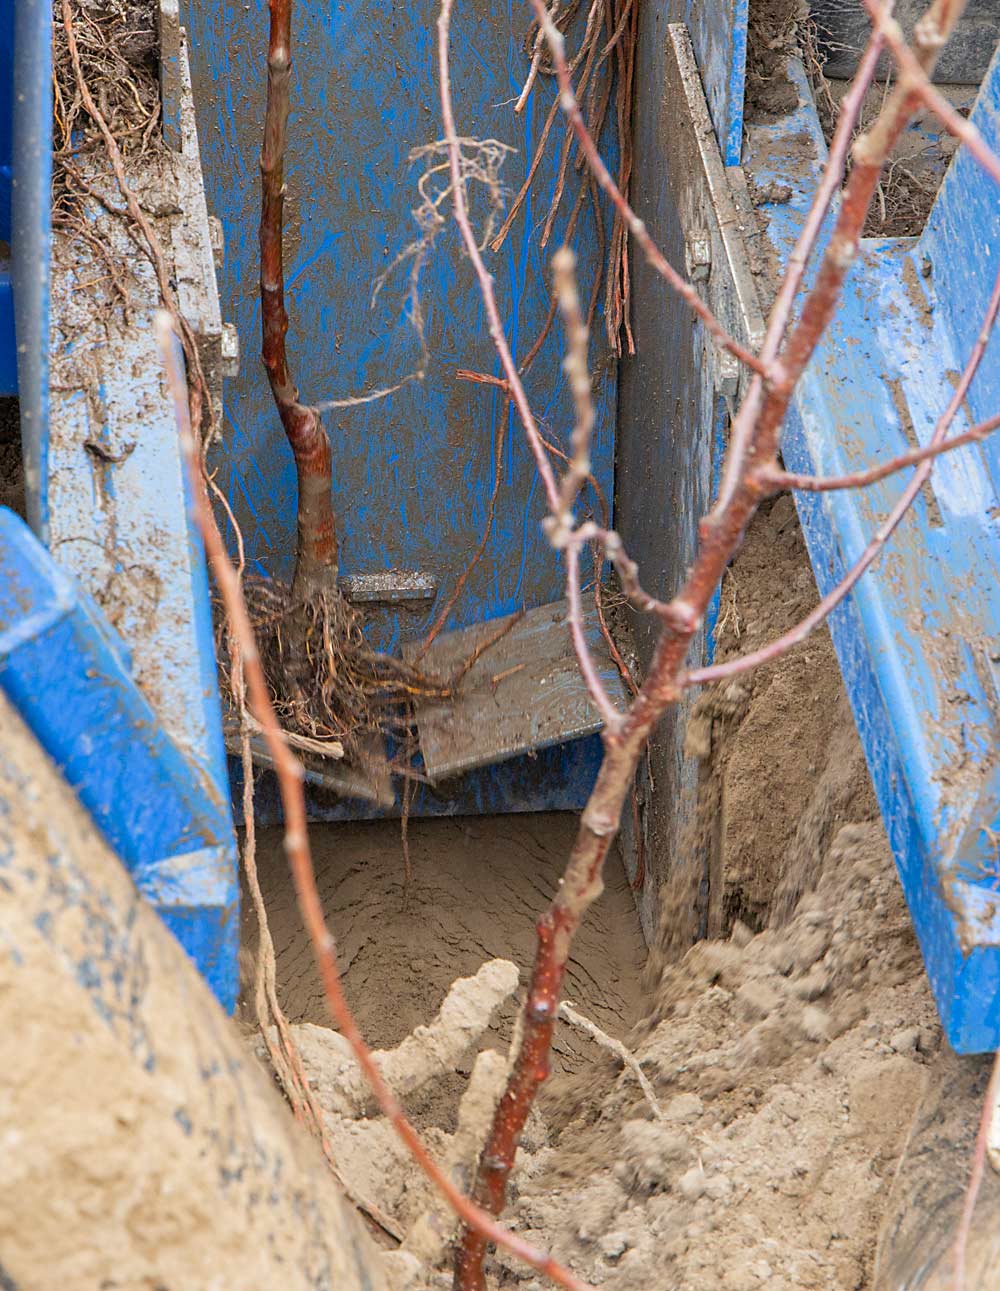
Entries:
{"x":331,"y":691}
{"x":629,"y":1060}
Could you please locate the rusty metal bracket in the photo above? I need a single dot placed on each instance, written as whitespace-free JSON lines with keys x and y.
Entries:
{"x":715,"y":215}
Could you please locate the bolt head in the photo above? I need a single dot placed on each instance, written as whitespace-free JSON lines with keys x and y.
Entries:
{"x":229,"y":350}
{"x":698,"y":254}
{"x":727,"y":375}
{"x":216,"y":240}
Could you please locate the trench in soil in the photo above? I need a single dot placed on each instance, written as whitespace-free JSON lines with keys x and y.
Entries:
{"x":791,"y":1053}
{"x":478,"y":884}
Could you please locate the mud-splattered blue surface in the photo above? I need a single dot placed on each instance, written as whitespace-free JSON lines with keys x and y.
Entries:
{"x":919,"y":639}
{"x":413,"y":473}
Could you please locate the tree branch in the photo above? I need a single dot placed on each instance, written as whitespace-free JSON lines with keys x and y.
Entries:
{"x":720,"y":535}
{"x":910,"y":67}
{"x":975,"y":1175}
{"x":782,"y":480}
{"x":777,"y":323}
{"x":636,"y":227}
{"x":925,"y":458}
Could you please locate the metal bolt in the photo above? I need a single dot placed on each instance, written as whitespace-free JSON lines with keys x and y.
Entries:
{"x":229,"y":350}
{"x":727,"y":375}
{"x":698,"y":255}
{"x":216,"y":240}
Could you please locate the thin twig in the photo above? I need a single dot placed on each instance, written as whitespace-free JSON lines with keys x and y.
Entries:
{"x":636,"y":227}
{"x":575,"y":367}
{"x":777,"y":323}
{"x":975,"y":1174}
{"x":921,"y":85}
{"x":569,"y":1014}
{"x":925,"y":460}
{"x":782,"y":480}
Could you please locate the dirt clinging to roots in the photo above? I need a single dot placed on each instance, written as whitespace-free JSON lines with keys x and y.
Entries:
{"x":326,"y":682}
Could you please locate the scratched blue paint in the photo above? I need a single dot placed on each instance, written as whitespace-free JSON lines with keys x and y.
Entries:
{"x":732,"y":141}
{"x":120,"y":524}
{"x":6,"y":113}
{"x":69,"y":676}
{"x":165,"y":811}
{"x":8,"y":351}
{"x":917,"y":641}
{"x":719,"y":36}
{"x":413,"y":473}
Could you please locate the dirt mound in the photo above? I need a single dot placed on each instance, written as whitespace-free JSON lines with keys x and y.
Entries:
{"x":787,"y":1065}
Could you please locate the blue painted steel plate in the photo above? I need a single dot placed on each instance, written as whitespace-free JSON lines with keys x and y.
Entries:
{"x":919,"y":640}
{"x":413,"y":473}
{"x":69,"y":676}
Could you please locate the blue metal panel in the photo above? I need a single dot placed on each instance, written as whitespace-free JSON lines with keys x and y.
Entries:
{"x":918,"y":640}
{"x":31,"y":218}
{"x":552,"y":780}
{"x":8,"y":351}
{"x":719,"y":35}
{"x":6,"y":113}
{"x":67,"y":674}
{"x":413,"y":473}
{"x":960,"y":244}
{"x":114,"y":493}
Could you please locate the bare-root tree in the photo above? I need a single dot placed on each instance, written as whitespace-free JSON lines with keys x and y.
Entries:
{"x":333,"y":693}
{"x":316,"y":555}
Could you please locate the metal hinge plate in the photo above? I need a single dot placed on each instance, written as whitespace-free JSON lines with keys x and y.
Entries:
{"x":524,"y":692}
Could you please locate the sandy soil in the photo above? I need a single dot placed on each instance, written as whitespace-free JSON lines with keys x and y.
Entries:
{"x":478,"y":886}
{"x":787,"y":1066}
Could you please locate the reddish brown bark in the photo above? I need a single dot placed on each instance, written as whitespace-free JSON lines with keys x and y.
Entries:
{"x":316,"y":555}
